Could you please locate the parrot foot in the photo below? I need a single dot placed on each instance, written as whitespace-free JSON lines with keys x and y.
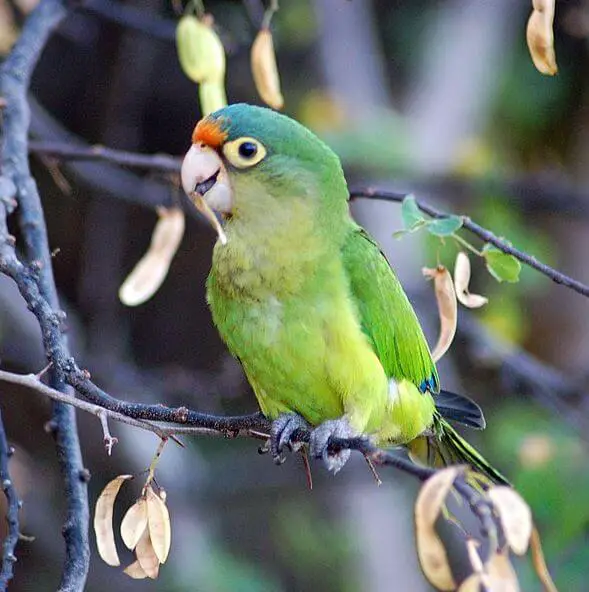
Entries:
{"x":338,"y":428}
{"x":281,"y":435}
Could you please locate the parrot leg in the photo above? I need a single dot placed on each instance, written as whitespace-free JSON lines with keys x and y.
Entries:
{"x":281,"y":435}
{"x":339,"y":428}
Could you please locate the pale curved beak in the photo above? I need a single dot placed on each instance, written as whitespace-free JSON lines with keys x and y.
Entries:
{"x":205,"y":181}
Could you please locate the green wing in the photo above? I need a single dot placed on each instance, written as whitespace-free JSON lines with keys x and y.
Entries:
{"x":387,"y":317}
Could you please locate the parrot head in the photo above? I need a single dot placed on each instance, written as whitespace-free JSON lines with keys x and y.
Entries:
{"x":241,"y":152}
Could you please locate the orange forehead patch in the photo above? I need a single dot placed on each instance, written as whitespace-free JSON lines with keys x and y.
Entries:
{"x":209,"y":132}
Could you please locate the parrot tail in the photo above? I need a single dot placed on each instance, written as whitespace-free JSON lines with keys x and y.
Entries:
{"x":446,"y":447}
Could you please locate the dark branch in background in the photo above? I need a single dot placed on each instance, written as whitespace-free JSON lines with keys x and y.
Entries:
{"x":161,"y":163}
{"x":106,"y":178}
{"x":483,"y":234}
{"x":133,"y":18}
{"x":136,"y":19}
{"x":522,"y":373}
{"x":13,"y":506}
{"x":15,"y":78}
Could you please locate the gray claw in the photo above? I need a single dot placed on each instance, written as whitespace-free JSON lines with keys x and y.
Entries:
{"x":281,"y":434}
{"x":339,"y":428}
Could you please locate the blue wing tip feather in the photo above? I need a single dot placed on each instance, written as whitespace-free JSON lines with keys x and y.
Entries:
{"x":430,"y":384}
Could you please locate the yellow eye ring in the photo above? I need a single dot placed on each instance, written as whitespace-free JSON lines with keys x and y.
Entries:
{"x":244,"y":152}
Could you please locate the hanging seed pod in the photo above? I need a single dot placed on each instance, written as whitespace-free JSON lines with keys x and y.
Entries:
{"x":461,"y":281}
{"x":515,"y":516}
{"x":540,"y":36}
{"x":149,"y":274}
{"x":447,"y":308}
{"x":200,"y":50}
{"x":265,"y":70}
{"x":105,"y":538}
{"x":430,"y":548}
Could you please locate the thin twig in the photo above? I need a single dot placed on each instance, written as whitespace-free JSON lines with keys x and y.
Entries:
{"x":484,"y":234}
{"x":13,"y":505}
{"x":109,"y":439}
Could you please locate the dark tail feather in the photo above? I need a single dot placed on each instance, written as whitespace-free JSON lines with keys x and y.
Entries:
{"x":460,"y":409}
{"x":446,"y":447}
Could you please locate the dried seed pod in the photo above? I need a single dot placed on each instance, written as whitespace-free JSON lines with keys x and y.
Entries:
{"x":135,"y":571}
{"x":105,"y":538}
{"x":430,"y":549}
{"x":134,"y":523}
{"x":498,"y":575}
{"x":159,"y":525}
{"x":447,"y":308}
{"x":148,"y":275}
{"x":200,"y":50}
{"x":265,"y":70}
{"x":540,"y":36}
{"x":515,"y":516}
{"x":501,"y":573}
{"x":461,"y":281}
{"x":539,"y":562}
{"x":146,"y":556}
{"x":211,"y":94}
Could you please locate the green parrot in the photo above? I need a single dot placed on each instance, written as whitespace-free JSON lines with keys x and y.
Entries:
{"x":307,"y":302}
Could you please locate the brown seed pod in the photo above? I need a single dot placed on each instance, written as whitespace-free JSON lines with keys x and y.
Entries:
{"x":540,"y":36}
{"x":461,"y":281}
{"x":265,"y":70}
{"x":447,"y":308}
{"x":105,"y":538}
{"x":148,"y":275}
{"x":430,"y":549}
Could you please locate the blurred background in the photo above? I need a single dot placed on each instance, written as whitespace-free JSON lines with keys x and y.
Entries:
{"x":438,"y":98}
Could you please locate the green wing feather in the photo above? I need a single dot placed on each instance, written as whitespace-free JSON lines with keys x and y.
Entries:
{"x":389,"y":321}
{"x":387,"y":317}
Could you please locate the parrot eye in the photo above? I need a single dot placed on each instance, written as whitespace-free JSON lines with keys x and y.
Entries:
{"x":247,"y":149}
{"x":244,"y":152}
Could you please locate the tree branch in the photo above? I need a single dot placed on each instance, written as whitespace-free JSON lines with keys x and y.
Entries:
{"x":483,"y":234}
{"x":15,"y":78}
{"x":13,"y":506}
{"x":161,"y":163}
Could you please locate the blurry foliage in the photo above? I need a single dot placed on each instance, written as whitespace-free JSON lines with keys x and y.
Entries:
{"x":311,"y":544}
{"x":226,"y":573}
{"x":549,"y":468}
{"x":376,"y":145}
{"x":296,"y":28}
{"x":532,"y":114}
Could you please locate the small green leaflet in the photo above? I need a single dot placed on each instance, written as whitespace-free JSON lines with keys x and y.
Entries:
{"x":444,"y":226}
{"x":413,"y":220}
{"x":410,"y":213}
{"x":501,"y":266}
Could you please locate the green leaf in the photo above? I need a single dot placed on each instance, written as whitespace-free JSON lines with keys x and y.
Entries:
{"x":501,"y":266}
{"x":410,"y":213}
{"x":445,"y":226}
